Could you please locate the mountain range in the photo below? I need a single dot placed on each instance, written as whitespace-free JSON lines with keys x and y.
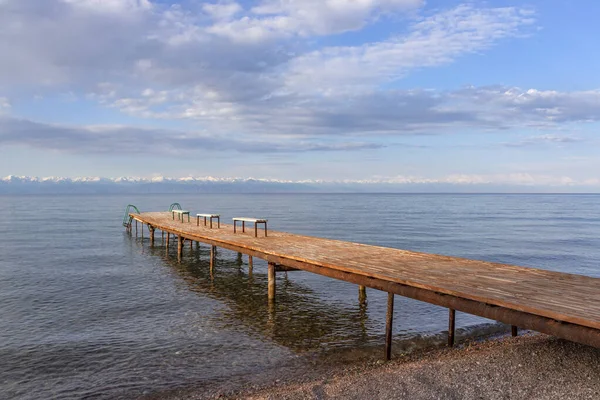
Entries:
{"x":89,"y":185}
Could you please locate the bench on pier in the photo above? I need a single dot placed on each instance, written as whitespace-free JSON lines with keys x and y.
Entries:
{"x":180,"y":214}
{"x":256,"y":221}
{"x":210,"y":217}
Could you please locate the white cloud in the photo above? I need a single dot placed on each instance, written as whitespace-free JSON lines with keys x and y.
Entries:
{"x":172,"y":49}
{"x":544,"y":140}
{"x":113,"y":6}
{"x":434,"y":40}
{"x":164,"y":62}
{"x":52,"y":43}
{"x":553,"y":105}
{"x":222,"y":11}
{"x":393,"y":112}
{"x":331,"y":91}
{"x":4,"y":104}
{"x":117,"y":139}
{"x":276,"y":18}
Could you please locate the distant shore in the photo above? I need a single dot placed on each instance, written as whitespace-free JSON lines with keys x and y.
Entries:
{"x":533,"y":366}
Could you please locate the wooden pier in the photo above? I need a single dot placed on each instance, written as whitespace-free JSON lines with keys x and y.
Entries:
{"x":559,"y":304}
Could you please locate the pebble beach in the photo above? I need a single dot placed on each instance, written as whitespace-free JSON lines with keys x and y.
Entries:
{"x":532,"y":366}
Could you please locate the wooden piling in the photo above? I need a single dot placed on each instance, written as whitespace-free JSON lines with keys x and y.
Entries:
{"x":162,"y":236}
{"x":239,"y":259}
{"x":362,"y":294}
{"x":151,"y":230}
{"x":167,"y":242}
{"x":250,"y":265}
{"x":179,"y":246}
{"x":451,"y":326}
{"x":142,"y":230}
{"x":271,"y":280}
{"x":136,"y":227}
{"x":212,"y":257}
{"x":514,"y":330}
{"x":388,"y":326}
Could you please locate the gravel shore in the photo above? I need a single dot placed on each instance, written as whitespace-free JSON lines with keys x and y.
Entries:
{"x":527,"y":367}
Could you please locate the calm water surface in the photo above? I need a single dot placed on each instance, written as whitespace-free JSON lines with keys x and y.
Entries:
{"x":87,"y":311}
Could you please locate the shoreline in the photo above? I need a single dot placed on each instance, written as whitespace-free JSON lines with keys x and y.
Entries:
{"x":532,"y":366}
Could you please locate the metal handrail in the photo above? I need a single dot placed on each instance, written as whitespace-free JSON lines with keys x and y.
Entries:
{"x":127,"y":218}
{"x":175,"y":206}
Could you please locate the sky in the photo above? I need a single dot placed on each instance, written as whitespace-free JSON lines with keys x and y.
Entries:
{"x":465,"y":92}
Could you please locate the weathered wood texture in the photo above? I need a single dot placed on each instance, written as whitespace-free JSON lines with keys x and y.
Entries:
{"x":180,"y":246}
{"x":271,"y":281}
{"x":476,"y":287}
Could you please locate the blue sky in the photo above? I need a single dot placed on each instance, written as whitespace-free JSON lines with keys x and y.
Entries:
{"x":501,"y":92}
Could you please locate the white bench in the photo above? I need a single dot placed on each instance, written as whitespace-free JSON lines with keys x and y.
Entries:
{"x":256,"y":221}
{"x":209,"y":216}
{"x":180,"y":214}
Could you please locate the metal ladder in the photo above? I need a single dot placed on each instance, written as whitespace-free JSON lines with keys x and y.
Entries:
{"x":175,"y":206}
{"x":128,"y":218}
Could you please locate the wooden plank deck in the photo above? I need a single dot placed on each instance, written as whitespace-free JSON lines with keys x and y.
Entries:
{"x":561,"y":304}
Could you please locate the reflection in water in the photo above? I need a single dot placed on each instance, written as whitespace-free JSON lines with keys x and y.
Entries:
{"x":297,"y":320}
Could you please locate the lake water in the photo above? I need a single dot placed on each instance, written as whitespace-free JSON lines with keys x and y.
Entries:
{"x":86,"y":311}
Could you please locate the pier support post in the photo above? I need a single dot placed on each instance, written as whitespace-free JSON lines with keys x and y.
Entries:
{"x":142,"y":230}
{"x":271,"y":279}
{"x":179,"y":247}
{"x":167,"y":242}
{"x":388,"y":326}
{"x":250,"y":265}
{"x":451,"y":326}
{"x":151,"y":230}
{"x":162,"y":237}
{"x":362,"y":294}
{"x":136,"y":227}
{"x":191,"y":243}
{"x":514,"y":330}
{"x":212,"y":257}
{"x":238,"y":261}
